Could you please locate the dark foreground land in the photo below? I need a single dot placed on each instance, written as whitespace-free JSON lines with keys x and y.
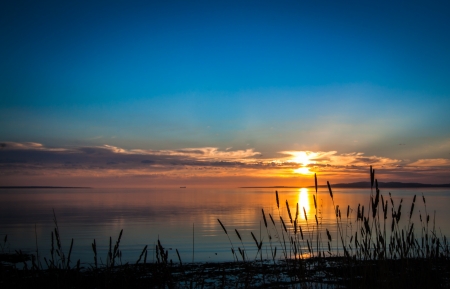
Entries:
{"x":330,"y":272}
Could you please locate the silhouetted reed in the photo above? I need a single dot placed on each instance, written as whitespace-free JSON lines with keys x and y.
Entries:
{"x":397,"y":250}
{"x":376,"y":248}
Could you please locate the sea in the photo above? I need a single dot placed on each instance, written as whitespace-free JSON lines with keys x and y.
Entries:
{"x":187,"y":219}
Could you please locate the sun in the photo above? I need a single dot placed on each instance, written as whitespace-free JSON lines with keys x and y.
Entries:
{"x":303,"y":159}
{"x":302,"y":170}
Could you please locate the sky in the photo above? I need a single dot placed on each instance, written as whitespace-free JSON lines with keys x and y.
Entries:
{"x":223,"y":93}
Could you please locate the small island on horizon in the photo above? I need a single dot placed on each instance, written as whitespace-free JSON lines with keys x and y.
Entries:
{"x":41,"y":187}
{"x":391,"y":185}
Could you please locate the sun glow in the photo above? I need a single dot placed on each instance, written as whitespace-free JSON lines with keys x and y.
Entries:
{"x":303,"y":158}
{"x":302,"y":170}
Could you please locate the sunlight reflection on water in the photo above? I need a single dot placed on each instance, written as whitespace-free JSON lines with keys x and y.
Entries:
{"x":303,"y":201}
{"x":148,"y":214}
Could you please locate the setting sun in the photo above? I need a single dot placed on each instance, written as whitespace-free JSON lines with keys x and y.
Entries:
{"x":302,"y":170}
{"x":303,"y":158}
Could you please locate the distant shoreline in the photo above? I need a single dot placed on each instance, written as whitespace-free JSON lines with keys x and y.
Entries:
{"x":362,"y":185}
{"x":41,"y":187}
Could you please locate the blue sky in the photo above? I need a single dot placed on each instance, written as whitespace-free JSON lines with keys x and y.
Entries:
{"x":271,"y":76}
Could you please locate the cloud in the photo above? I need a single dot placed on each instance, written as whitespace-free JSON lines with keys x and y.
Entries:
{"x":107,"y":161}
{"x":205,"y":153}
{"x":38,"y":156}
{"x":26,"y":146}
{"x":430,"y":163}
{"x":332,"y":158}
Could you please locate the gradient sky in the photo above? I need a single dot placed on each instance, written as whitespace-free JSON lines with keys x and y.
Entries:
{"x":223,"y":93}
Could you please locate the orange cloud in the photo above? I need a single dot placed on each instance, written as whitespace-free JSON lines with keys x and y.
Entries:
{"x":430,"y":163}
{"x":205,"y":153}
{"x":34,"y":161}
{"x":334,"y":159}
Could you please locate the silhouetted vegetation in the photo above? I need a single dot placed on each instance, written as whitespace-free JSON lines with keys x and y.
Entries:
{"x":380,"y":247}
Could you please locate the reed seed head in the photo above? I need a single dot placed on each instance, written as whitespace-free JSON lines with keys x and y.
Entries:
{"x":284,"y":226}
{"x":315,"y":181}
{"x":278,"y":202}
{"x":264,"y":217}
{"x":273,"y":222}
{"x":223,"y":227}
{"x":254,"y":238}
{"x":237,"y":233}
{"x":329,"y":189}
{"x":289,"y":211}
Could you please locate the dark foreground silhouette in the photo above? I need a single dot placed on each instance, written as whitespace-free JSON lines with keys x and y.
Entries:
{"x":382,"y":250}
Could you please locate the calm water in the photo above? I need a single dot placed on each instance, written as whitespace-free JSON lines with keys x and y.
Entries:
{"x":181,"y":218}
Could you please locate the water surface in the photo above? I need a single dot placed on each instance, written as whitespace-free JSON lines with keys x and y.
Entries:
{"x":186,"y":219}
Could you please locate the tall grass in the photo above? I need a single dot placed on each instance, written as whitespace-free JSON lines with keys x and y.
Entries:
{"x":382,"y":235}
{"x":379,"y":247}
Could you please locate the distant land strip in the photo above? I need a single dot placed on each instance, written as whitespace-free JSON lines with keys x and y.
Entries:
{"x":391,"y":185}
{"x":41,"y":187}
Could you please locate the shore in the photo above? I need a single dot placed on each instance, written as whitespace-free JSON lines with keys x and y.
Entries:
{"x":330,"y":272}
